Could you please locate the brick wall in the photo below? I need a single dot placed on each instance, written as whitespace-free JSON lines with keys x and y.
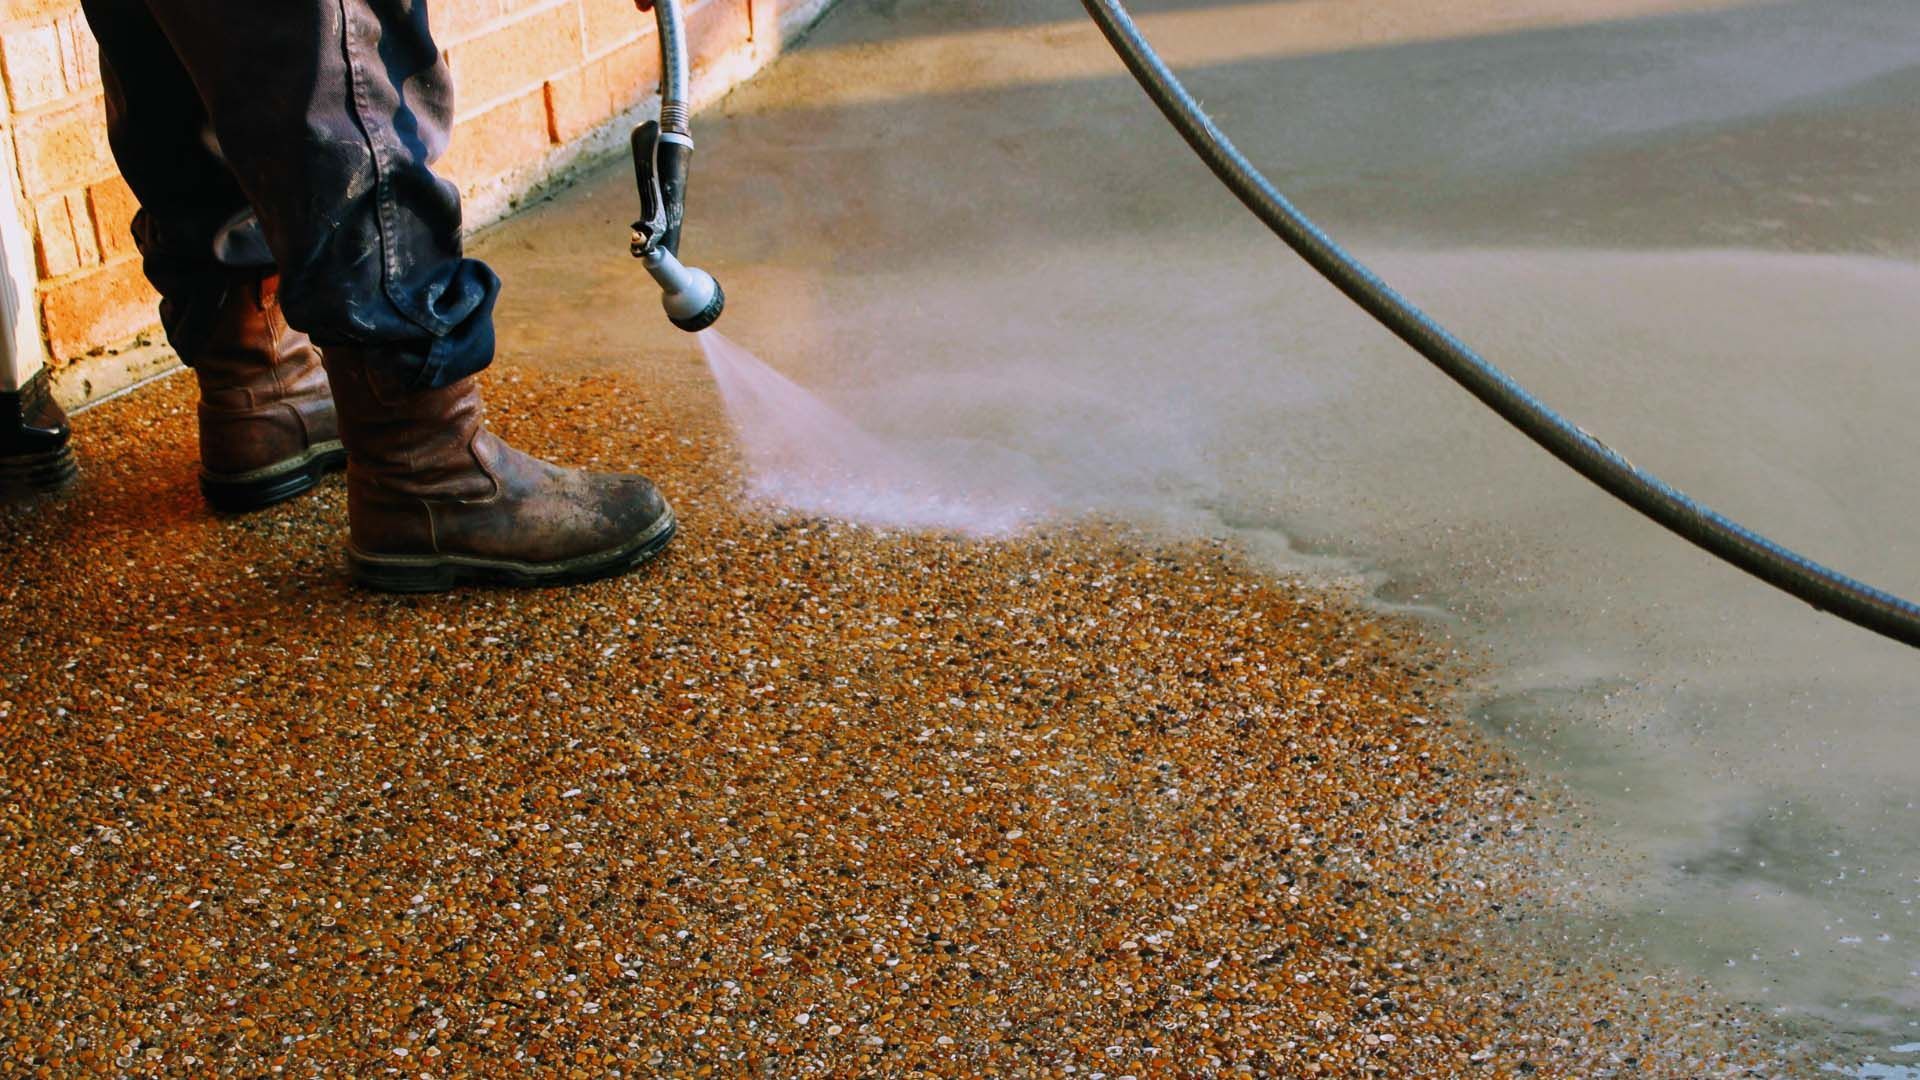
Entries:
{"x":538,"y":86}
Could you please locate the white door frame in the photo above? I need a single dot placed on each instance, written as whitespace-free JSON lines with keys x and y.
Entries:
{"x":22,"y":351}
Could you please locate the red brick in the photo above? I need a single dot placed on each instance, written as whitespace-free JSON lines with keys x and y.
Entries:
{"x":454,"y":21}
{"x":12,"y":11}
{"x":49,"y":62}
{"x":102,"y":307}
{"x":54,"y":239}
{"x":35,"y":73}
{"x":498,"y":140}
{"x":713,"y":26}
{"x":716,"y":27}
{"x":64,"y":148}
{"x":80,"y":54}
{"x":582,"y":100}
{"x":113,"y":206}
{"x":517,"y":57}
{"x":613,"y":23}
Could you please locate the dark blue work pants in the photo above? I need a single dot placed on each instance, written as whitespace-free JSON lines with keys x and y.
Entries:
{"x":297,"y":136}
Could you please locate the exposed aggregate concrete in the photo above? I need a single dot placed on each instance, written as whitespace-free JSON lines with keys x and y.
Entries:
{"x":800,"y":799}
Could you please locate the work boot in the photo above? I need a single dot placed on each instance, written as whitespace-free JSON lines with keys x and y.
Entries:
{"x":267,"y":429}
{"x":34,"y":434}
{"x":434,"y":499}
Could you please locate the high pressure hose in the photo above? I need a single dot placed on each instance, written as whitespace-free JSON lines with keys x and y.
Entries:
{"x":675,"y":65}
{"x":1858,"y":603}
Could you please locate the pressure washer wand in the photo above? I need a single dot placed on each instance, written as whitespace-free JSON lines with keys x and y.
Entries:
{"x":662,"y":157}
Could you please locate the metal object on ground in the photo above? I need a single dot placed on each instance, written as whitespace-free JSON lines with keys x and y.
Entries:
{"x":1824,"y":588}
{"x":662,"y":157}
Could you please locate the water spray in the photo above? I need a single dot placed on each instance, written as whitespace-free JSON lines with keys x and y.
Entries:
{"x":662,"y":157}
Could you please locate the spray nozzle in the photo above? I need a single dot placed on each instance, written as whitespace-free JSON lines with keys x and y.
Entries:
{"x":692,"y":298}
{"x":661,"y":157}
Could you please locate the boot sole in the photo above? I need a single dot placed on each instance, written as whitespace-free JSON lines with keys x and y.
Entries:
{"x":37,"y":473}
{"x":438,"y":573}
{"x":257,"y":490}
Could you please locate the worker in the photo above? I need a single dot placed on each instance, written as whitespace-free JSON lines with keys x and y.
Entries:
{"x":311,"y":273}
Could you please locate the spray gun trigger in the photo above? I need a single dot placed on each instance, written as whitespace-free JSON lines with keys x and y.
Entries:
{"x":652,"y":226}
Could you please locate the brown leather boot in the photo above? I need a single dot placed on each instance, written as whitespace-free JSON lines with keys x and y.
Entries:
{"x":434,"y":499}
{"x":267,"y":429}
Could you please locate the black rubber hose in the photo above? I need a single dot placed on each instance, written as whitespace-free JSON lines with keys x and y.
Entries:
{"x":1829,"y":590}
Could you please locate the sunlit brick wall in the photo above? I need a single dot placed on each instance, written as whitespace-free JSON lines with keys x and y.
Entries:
{"x":536,"y":83}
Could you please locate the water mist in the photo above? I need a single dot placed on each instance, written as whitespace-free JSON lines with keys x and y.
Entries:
{"x":804,"y":455}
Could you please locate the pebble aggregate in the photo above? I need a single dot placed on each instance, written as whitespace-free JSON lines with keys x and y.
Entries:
{"x":799,"y":799}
